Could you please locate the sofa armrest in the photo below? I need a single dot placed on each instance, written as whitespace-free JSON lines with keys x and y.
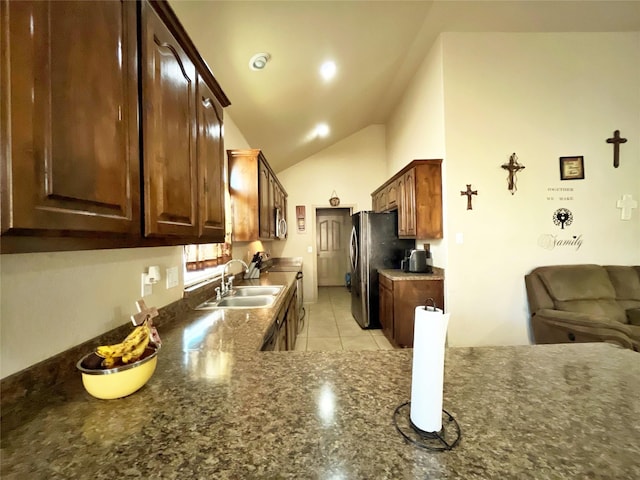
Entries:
{"x":557,"y":326}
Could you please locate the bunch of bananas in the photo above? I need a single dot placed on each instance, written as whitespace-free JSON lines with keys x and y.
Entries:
{"x":130,"y":350}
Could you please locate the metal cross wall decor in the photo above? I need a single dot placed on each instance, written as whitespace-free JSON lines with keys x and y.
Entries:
{"x":514,"y":167}
{"x":616,"y":140}
{"x":468,"y":193}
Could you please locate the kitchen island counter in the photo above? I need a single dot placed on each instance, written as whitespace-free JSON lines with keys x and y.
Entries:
{"x":217,"y":407}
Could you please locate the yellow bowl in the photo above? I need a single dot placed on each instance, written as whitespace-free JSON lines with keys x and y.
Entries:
{"x":116,"y":382}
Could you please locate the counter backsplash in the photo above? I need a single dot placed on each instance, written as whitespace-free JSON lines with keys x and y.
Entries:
{"x":57,"y":369}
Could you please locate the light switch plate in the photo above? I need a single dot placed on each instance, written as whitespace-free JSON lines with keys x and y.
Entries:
{"x":172,"y":277}
{"x":309,"y":249}
{"x":145,"y":289}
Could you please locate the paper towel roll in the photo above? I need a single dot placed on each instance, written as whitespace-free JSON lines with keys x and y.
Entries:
{"x":427,"y":375}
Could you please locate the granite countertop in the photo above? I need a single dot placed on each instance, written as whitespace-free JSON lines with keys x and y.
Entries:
{"x":217,"y":407}
{"x":397,"y":274}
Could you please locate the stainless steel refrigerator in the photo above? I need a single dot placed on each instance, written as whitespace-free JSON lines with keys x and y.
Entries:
{"x":374,"y":245}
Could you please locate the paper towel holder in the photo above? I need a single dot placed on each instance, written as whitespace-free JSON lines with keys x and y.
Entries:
{"x":444,"y":440}
{"x":434,"y":307}
{"x":449,"y":434}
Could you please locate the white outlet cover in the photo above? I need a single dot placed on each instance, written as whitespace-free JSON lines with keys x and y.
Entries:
{"x":146,"y":289}
{"x":172,"y":277}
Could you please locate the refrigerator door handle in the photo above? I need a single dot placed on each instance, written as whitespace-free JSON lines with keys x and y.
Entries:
{"x":353,"y":251}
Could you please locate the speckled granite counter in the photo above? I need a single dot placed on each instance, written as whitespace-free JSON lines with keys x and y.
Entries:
{"x":218,"y":408}
{"x":397,"y":274}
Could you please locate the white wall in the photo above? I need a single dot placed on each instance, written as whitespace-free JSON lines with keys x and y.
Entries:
{"x":541,"y":96}
{"x":353,"y":167}
{"x":54,"y":301}
{"x":416,"y":127}
{"x":416,"y":131}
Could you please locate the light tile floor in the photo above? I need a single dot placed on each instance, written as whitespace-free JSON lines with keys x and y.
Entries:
{"x":329,"y":325}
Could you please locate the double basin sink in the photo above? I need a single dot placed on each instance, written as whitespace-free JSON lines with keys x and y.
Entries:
{"x":245,"y":297}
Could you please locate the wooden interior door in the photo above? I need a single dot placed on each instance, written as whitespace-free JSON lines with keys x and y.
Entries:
{"x":333,"y":227}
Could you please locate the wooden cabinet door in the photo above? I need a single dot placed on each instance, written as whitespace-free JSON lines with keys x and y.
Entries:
{"x":292,"y":324}
{"x":402,"y":208}
{"x":374,"y":201}
{"x":210,"y":165}
{"x":407,"y":206}
{"x":386,"y":307}
{"x":428,"y":200}
{"x":409,"y":294}
{"x":276,"y":194}
{"x":265,"y":201}
{"x":169,"y":131}
{"x":244,"y":178}
{"x":392,"y":196}
{"x":282,"y":337}
{"x":68,"y":130}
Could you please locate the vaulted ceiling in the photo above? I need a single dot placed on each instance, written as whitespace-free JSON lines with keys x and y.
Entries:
{"x":376,"y":45}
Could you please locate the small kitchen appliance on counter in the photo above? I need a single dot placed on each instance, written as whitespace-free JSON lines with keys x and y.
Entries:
{"x":417,"y":261}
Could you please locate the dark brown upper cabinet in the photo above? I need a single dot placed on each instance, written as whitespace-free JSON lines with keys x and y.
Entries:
{"x":255,"y":194}
{"x":69,"y":124}
{"x":169,"y":129}
{"x":416,"y":192}
{"x":210,"y":155}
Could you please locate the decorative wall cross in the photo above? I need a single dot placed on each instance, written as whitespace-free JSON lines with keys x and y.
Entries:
{"x":616,"y":140}
{"x":514,"y":167}
{"x":144,"y":313}
{"x":626,"y":204}
{"x":147,"y":314}
{"x":468,"y":193}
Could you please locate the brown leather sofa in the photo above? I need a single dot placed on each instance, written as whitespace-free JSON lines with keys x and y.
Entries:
{"x":585,"y":303}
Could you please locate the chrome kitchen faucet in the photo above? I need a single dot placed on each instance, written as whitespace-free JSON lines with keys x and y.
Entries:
{"x":224,"y":288}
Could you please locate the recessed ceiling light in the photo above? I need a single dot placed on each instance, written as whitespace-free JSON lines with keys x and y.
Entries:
{"x":259,"y":61}
{"x":328,"y":70}
{"x":322,"y":130}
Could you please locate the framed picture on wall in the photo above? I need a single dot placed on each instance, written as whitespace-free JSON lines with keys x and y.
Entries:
{"x":571,"y":168}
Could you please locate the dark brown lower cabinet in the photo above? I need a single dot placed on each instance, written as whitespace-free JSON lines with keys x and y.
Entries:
{"x":292,"y":323}
{"x":283,"y":334}
{"x":399,"y":297}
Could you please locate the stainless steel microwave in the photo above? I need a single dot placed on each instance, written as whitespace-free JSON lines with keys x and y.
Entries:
{"x":281,"y":225}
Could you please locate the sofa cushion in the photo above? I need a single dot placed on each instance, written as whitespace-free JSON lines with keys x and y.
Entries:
{"x":577,"y":282}
{"x":633,"y":316}
{"x":629,"y":304}
{"x":625,"y":281}
{"x":603,"y":307}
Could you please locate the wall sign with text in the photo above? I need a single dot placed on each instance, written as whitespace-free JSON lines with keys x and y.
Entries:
{"x":561,"y":218}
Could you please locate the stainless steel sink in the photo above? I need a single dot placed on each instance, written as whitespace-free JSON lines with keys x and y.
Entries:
{"x":245,"y":296}
{"x":251,"y":291}
{"x":253,"y":301}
